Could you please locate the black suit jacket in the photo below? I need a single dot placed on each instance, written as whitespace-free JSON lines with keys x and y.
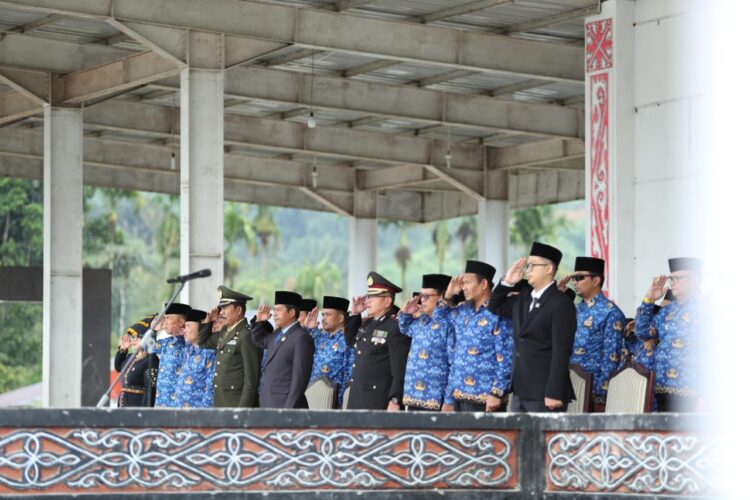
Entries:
{"x":287,"y":367}
{"x":543,"y":340}
{"x":379,"y":362}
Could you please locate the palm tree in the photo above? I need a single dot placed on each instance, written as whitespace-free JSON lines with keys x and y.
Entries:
{"x":467,"y":235}
{"x":237,"y":230}
{"x":267,"y":235}
{"x":318,"y":279}
{"x":534,"y":224}
{"x":441,"y":237}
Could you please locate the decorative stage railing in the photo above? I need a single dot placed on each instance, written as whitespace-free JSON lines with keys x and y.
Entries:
{"x":154,"y":452}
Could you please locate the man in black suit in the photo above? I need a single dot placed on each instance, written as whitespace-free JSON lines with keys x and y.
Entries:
{"x":544,"y":326}
{"x":381,"y":349}
{"x":289,"y":353}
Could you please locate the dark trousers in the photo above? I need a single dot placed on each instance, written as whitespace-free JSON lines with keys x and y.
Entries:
{"x":518,"y":405}
{"x":674,"y":403}
{"x":469,"y":406}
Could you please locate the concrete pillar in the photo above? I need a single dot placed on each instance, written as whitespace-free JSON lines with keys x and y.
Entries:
{"x":202,"y":167}
{"x":62,"y":274}
{"x":610,"y":147}
{"x":362,"y":253}
{"x":493,"y":227}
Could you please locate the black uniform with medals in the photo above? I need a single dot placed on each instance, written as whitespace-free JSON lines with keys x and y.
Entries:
{"x":381,"y":351}
{"x":139,"y":383}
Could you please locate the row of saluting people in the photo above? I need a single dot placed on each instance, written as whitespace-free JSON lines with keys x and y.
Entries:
{"x":458,"y":345}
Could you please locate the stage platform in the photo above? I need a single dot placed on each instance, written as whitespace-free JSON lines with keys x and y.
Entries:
{"x":329,"y":454}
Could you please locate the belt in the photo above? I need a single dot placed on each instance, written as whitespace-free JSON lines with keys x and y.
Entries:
{"x":133,"y":391}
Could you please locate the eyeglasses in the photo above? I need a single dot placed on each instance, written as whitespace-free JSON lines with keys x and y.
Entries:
{"x":677,"y":279}
{"x":530,"y":267}
{"x":581,"y":277}
{"x":424,"y":296}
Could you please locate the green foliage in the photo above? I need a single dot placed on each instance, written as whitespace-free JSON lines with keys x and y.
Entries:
{"x":316,"y":279}
{"x":20,"y":222}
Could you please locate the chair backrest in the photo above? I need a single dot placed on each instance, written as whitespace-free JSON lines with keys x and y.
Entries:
{"x":345,"y":399}
{"x":321,"y":394}
{"x":630,"y":390}
{"x":582,"y":384}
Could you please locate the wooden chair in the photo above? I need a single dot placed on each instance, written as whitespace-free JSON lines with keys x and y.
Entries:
{"x":322,"y":394}
{"x":630,"y":390}
{"x":583,"y":383}
{"x":345,"y":401}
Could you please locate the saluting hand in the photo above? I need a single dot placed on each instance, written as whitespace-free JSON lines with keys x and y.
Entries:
{"x":411,"y":306}
{"x":212,"y":315}
{"x":358,"y":304}
{"x":125,"y":342}
{"x":312,"y":318}
{"x":264,"y":313}
{"x":657,"y":290}
{"x":562,"y":285}
{"x":515,"y":273}
{"x":454,"y":287}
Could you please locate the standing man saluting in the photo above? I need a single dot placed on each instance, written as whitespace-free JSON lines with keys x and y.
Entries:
{"x":381,"y":349}
{"x":544,"y":326}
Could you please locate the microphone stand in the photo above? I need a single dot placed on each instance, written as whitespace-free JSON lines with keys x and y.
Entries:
{"x":145,"y":342}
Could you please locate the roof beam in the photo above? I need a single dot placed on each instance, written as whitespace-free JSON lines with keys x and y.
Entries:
{"x":34,"y":85}
{"x":392,"y":177}
{"x":324,"y":30}
{"x":445,"y":77}
{"x":535,"y":154}
{"x":368,"y":67}
{"x":460,"y":10}
{"x":518,"y":87}
{"x":430,"y":106}
{"x":15,"y":106}
{"x":543,"y":22}
{"x":35,"y":25}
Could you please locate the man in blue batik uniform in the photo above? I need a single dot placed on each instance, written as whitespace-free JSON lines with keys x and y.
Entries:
{"x":170,"y":351}
{"x":676,"y":327}
{"x":482,"y":360}
{"x":195,"y":388}
{"x":333,"y":358}
{"x":428,"y":365}
{"x":599,"y":334}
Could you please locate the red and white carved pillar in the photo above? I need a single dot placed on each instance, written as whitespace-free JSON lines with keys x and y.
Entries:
{"x":610,"y":173}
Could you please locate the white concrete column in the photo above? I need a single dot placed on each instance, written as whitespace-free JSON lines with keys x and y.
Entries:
{"x":63,"y":275}
{"x":610,"y":147}
{"x":493,"y":227}
{"x":362,"y":253}
{"x":202,"y":167}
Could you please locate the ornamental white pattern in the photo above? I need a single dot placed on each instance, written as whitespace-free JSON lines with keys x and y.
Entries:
{"x":670,"y":464}
{"x":96,"y":459}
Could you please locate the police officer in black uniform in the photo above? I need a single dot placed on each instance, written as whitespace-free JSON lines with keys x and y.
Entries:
{"x":139,"y":383}
{"x":381,"y":349}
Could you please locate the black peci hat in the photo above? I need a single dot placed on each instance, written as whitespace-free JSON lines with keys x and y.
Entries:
{"x":177,"y":308}
{"x":590,"y":264}
{"x":338,"y":303}
{"x":288,"y":299}
{"x":196,"y":315}
{"x":307,"y":305}
{"x":436,"y":281}
{"x":685,"y":264}
{"x":480,"y":268}
{"x":546,"y":252}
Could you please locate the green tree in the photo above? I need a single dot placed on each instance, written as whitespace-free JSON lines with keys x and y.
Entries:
{"x":402,"y":254}
{"x":535,"y":224}
{"x":267,"y":234}
{"x":237,"y":231}
{"x":466,"y":232}
{"x":316,"y":279}
{"x":21,"y":234}
{"x":441,"y":238}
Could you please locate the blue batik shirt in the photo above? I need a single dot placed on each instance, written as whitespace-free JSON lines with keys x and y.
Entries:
{"x":170,"y":351}
{"x":195,"y":384}
{"x":598,"y":340}
{"x":483,"y":353}
{"x":333,"y":359}
{"x":675,"y":327}
{"x":429,"y":362}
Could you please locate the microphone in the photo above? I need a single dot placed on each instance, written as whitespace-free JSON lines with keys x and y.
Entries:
{"x":203,"y":273}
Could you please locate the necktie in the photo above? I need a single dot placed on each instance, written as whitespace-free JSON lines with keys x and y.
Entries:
{"x":534,"y":302}
{"x":278,"y":337}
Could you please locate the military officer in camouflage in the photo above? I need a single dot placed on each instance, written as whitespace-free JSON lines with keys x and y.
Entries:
{"x":676,"y":327}
{"x":381,"y":349}
{"x":237,"y":358}
{"x":599,"y":335}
